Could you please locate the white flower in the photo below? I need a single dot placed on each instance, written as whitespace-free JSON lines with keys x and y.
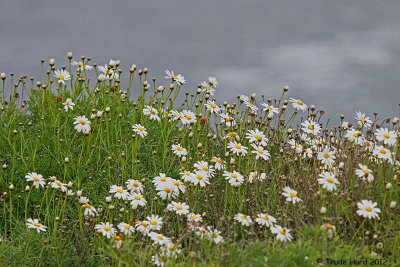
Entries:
{"x":62,"y":76}
{"x":134,"y":186}
{"x":311,"y":127}
{"x":34,"y":224}
{"x":355,"y":136}
{"x":282,"y":234}
{"x":58,"y":185}
{"x":237,"y":148}
{"x":143,"y":227}
{"x":151,"y":112}
{"x":177,"y":78}
{"x":207,"y":88}
{"x":179,"y":150}
{"x":37,"y":179}
{"x":139,"y":129}
{"x":106,"y":229}
{"x":108,"y":72}
{"x":159,"y":239}
{"x":200,"y":177}
{"x":326,"y":157}
{"x":366,"y":208}
{"x":270,"y":109}
{"x":167,"y":190}
{"x":251,"y":106}
{"x":298,"y":104}
{"x":196,"y":218}
{"x":244,"y":98}
{"x":82,"y":65}
{"x":137,"y":199}
{"x":214,"y":235}
{"x":213,"y":81}
{"x":265,"y":219}
{"x":180,"y":208}
{"x":388,"y":137}
{"x":68,"y":104}
{"x":212,"y":107}
{"x":125,"y":228}
{"x":82,"y":124}
{"x":243,"y":219}
{"x":364,"y":173}
{"x":382,"y":153}
{"x":260,"y":152}
{"x":89,"y":210}
{"x":228,"y":120}
{"x":256,"y":136}
{"x":119,"y":192}
{"x":219,"y":163}
{"x":328,"y":181}
{"x":297,"y":147}
{"x":291,"y":195}
{"x":234,"y":178}
{"x":362,"y":120}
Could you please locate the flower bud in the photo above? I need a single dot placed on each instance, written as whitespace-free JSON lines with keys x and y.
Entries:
{"x":3,"y":76}
{"x":69,"y":55}
{"x":323,"y":210}
{"x":393,"y":204}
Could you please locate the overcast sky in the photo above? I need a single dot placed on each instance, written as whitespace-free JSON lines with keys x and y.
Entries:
{"x":342,"y":55}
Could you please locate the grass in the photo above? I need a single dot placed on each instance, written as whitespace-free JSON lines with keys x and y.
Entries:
{"x":236,"y":175}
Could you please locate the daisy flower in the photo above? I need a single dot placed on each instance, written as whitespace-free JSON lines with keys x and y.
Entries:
{"x":366,"y":209}
{"x":244,"y":98}
{"x":200,"y":177}
{"x":282,"y":234}
{"x":143,"y":227}
{"x":251,"y":106}
{"x":212,"y":107}
{"x":151,"y":112}
{"x":37,"y":179}
{"x":106,"y":229}
{"x":155,"y":222}
{"x":139,"y":129}
{"x":364,"y":173}
{"x":119,"y":192}
{"x":270,"y":109}
{"x":311,"y":127}
{"x":362,"y":119}
{"x":179,"y":150}
{"x":58,"y":185}
{"x":291,"y":195}
{"x":202,"y":165}
{"x":237,"y":148}
{"x":382,"y":153}
{"x":355,"y":136}
{"x":81,"y":65}
{"x":170,"y":250}
{"x":62,"y":76}
{"x":89,"y":210}
{"x":214,"y":235}
{"x":177,"y":78}
{"x":108,"y":72}
{"x":265,"y":219}
{"x":188,"y":117}
{"x":34,"y":224}
{"x":297,"y":147}
{"x":256,"y":136}
{"x":260,"y":152}
{"x":227,"y":120}
{"x":161,"y":179}
{"x":159,"y":239}
{"x":243,"y":219}
{"x":298,"y":104}
{"x":234,"y":178}
{"x":207,"y":88}
{"x":219,"y":163}
{"x":179,"y":186}
{"x":232,"y":136}
{"x":180,"y":208}
{"x":158,"y":260}
{"x":186,"y":176}
{"x":134,"y":186}
{"x":192,"y":217}
{"x":137,"y":199}
{"x":82,"y":124}
{"x":213,"y":81}
{"x":125,"y":228}
{"x":328,"y":181}
{"x":68,"y":104}
{"x":388,"y":137}
{"x":167,"y":190}
{"x":326,"y":157}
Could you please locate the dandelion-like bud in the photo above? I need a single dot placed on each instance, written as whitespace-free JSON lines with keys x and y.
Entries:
{"x":199,"y":145}
{"x":93,"y":116}
{"x":5,"y":166}
{"x":69,"y":55}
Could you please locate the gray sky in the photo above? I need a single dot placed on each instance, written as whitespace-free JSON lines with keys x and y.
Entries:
{"x":341,"y":56}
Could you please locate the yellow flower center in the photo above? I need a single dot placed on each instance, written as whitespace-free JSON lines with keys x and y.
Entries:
{"x":87,"y":206}
{"x":250,"y":104}
{"x":135,"y":184}
{"x":330,"y":180}
{"x":368,"y":209}
{"x":120,"y":191}
{"x":296,"y":145}
{"x":366,"y":172}
{"x":383,"y":151}
{"x":232,"y":134}
{"x":175,"y":77}
{"x":171,"y":248}
{"x":233,"y":175}
{"x":282,"y":232}
{"x":293,"y":194}
{"x":257,"y":137}
{"x":266,"y":218}
{"x":269,"y":107}
{"x":82,"y":122}
{"x":329,"y":226}
{"x":178,"y":207}
{"x":194,"y":217}
{"x":362,"y":120}
{"x":137,"y":198}
{"x":61,"y":77}
{"x":160,"y":237}
{"x":326,"y":155}
{"x":126,"y":227}
{"x":179,"y":149}
{"x":81,"y":64}
{"x":205,"y":168}
{"x":260,"y":151}
{"x":140,"y":129}
{"x":214,"y":235}
{"x":299,"y":102}
{"x":355,"y":135}
{"x":153,"y":112}
{"x":188,"y":117}
{"x":367,"y":143}
{"x":153,"y":223}
{"x":200,"y":177}
{"x":144,"y":224}
{"x":118,"y":238}
{"x":37,"y":225}
{"x":386,"y":136}
{"x":213,"y":105}
{"x":36,"y":179}
{"x":162,"y":179}
{"x":58,"y":183}
{"x":106,"y":228}
{"x":219,"y":160}
{"x":167,"y":190}
{"x":311,"y":127}
{"x":243,"y":217}
{"x":227,"y":119}
{"x":238,"y":147}
{"x":254,"y":175}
